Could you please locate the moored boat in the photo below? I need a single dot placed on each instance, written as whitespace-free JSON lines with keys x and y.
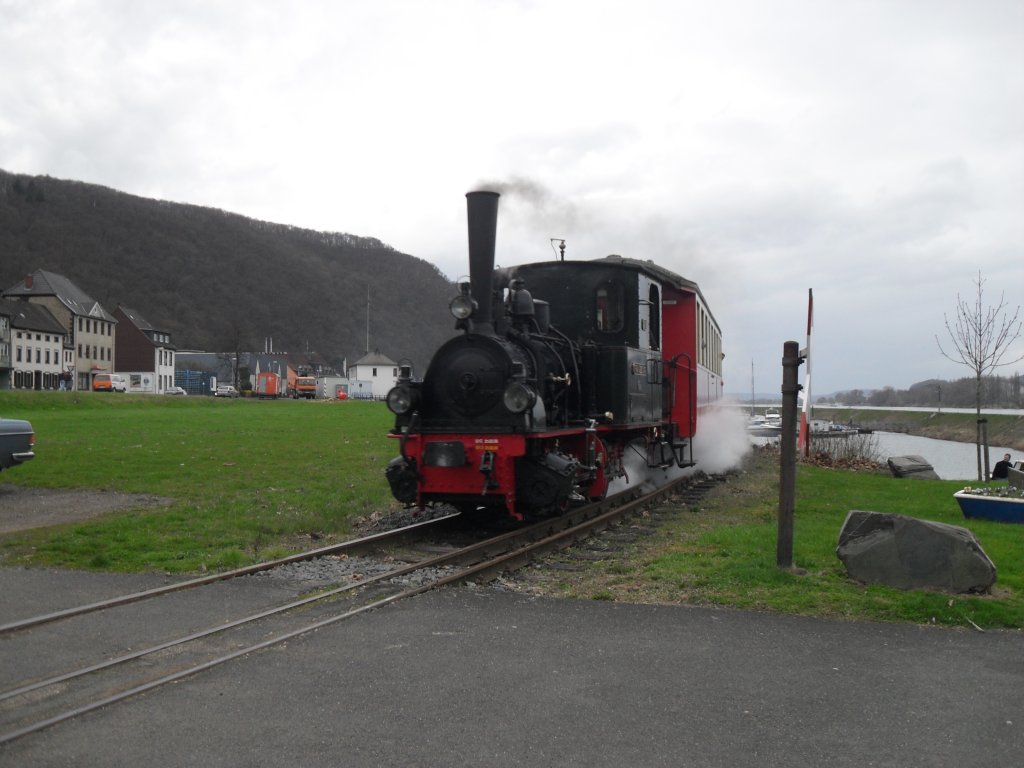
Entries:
{"x":759,"y":426}
{"x":985,"y":506}
{"x":821,"y":428}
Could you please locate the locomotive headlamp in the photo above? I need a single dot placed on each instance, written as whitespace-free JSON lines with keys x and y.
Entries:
{"x":462,"y":306}
{"x":402,"y":398}
{"x":518,"y":397}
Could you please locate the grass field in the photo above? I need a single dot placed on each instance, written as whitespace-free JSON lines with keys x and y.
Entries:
{"x":253,"y":479}
{"x":249,"y":479}
{"x":723,"y":553}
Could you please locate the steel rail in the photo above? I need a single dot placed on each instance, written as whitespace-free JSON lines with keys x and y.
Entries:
{"x":320,"y":596}
{"x":502,"y":541}
{"x":344,"y":546}
{"x":573,"y":526}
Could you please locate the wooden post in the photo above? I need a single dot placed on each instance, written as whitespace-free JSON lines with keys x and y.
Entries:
{"x":787,"y":445}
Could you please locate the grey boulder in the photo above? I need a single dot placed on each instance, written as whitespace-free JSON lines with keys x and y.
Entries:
{"x":911,"y":466}
{"x":907,"y":553}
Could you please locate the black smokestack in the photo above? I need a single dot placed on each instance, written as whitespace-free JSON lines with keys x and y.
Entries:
{"x":482,"y":216}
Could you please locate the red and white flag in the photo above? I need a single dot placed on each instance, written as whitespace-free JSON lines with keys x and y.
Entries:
{"x":804,"y":439}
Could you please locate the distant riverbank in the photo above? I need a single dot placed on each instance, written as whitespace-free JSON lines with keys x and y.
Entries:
{"x":961,"y":427}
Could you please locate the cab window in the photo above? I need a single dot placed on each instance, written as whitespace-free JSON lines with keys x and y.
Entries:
{"x":609,"y":306}
{"x":654,"y":308}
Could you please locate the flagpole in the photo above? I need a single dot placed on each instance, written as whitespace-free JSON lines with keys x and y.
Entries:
{"x":804,"y":443}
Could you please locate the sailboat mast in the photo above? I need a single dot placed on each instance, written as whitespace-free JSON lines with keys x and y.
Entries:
{"x":753,"y":392}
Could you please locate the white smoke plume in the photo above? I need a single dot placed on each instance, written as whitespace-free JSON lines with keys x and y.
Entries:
{"x":720,"y":445}
{"x":721,"y":441}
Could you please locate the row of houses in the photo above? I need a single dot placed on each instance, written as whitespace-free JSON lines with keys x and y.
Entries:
{"x":55,"y":336}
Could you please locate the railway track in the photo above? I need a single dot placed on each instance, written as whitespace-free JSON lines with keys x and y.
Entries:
{"x":345,"y":548}
{"x":51,"y":698}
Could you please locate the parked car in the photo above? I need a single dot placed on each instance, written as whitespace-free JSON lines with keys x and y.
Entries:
{"x":225,"y":390}
{"x":175,"y":391}
{"x":16,"y":440}
{"x":109,"y":382}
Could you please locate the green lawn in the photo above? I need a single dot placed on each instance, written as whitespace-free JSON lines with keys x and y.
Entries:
{"x":724,"y":552}
{"x":251,"y":480}
{"x":248,"y":478}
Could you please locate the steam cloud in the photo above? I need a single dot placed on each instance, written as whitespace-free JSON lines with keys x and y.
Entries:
{"x":721,"y":441}
{"x":720,"y":445}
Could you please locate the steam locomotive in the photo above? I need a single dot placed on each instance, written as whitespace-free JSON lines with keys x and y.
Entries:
{"x":563,"y":370}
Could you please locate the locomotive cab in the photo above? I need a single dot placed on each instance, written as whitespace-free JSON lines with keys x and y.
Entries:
{"x":598,"y":304}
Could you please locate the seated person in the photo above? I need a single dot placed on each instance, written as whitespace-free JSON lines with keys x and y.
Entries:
{"x":999,"y":471}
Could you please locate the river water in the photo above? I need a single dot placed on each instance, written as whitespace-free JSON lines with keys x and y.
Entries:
{"x":951,"y":460}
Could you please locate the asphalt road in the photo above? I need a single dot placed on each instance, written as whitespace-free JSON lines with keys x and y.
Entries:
{"x":479,"y":677}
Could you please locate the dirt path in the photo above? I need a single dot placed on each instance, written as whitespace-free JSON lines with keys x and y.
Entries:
{"x":22,"y":508}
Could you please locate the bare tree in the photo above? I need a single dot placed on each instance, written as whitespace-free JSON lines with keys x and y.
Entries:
{"x":981,"y":337}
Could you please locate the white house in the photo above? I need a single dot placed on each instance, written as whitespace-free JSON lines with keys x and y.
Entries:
{"x":35,"y":347}
{"x":378,"y":369}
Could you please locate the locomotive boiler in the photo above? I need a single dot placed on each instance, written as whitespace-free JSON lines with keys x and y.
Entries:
{"x":560,"y":371}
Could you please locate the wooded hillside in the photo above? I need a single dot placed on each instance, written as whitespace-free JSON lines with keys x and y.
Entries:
{"x":218,"y":281}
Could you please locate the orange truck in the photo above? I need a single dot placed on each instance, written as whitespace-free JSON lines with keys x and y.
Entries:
{"x":305,"y":386}
{"x":268,"y":385}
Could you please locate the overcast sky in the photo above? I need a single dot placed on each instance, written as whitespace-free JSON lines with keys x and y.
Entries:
{"x":870,"y":151}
